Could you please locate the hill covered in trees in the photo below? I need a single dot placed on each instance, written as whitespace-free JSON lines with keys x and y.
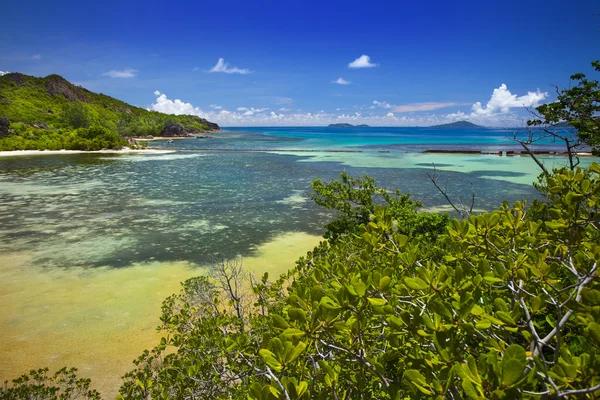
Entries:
{"x":52,"y":113}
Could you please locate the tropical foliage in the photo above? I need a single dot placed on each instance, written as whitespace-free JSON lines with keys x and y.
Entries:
{"x":395,"y":305}
{"x":573,"y":119}
{"x":50,"y":113}
{"x":511,"y":311}
{"x":96,"y":137}
{"x":355,"y":199}
{"x":38,"y":385}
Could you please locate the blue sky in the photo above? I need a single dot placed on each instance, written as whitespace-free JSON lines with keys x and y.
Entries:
{"x":428,"y":61}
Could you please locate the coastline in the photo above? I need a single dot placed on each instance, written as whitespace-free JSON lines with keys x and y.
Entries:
{"x":126,"y":150}
{"x":201,"y":135}
{"x":162,"y":138}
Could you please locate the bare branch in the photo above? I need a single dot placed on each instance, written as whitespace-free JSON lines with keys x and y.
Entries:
{"x":463,"y":212}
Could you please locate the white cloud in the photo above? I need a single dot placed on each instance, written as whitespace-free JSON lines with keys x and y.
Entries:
{"x":216,"y":106}
{"x":251,"y":116}
{"x":382,"y":104}
{"x":156,"y":93}
{"x":4,"y":73}
{"x":285,"y":109}
{"x":503,"y":100}
{"x":341,"y":81}
{"x":339,"y":109}
{"x":500,"y":109}
{"x":178,"y":107}
{"x":252,"y":110}
{"x":222,"y":66}
{"x":363,"y":61}
{"x":36,"y":57}
{"x":124,"y":73}
{"x":427,"y":106}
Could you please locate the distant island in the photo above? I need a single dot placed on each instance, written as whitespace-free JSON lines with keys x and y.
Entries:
{"x":458,"y":124}
{"x":51,"y":113}
{"x":345,"y":125}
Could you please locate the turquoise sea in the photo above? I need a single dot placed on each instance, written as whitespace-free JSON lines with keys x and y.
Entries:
{"x":230,"y":193}
{"x":90,"y":244}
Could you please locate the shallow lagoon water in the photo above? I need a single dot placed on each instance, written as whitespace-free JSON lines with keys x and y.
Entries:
{"x":90,"y":244}
{"x":100,"y":319}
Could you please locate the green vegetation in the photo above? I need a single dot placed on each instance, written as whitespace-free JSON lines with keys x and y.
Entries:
{"x":63,"y":385}
{"x":509,"y":311}
{"x":573,"y":119}
{"x":51,"y":113}
{"x":508,"y":307}
{"x":355,"y":199}
{"x":396,"y":305}
{"x":96,"y":137}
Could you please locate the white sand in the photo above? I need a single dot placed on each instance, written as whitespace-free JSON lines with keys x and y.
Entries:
{"x":51,"y":152}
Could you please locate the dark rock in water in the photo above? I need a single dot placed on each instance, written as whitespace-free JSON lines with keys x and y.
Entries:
{"x":4,"y":127}
{"x":174,"y":130}
{"x":444,"y":151}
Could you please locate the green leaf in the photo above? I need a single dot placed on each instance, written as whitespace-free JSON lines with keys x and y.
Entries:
{"x":416,"y":283}
{"x":594,"y":332}
{"x":329,"y":304}
{"x":483,"y":324}
{"x":297,"y":314}
{"x":439,"y":308}
{"x":295,"y":352}
{"x":555,"y":225}
{"x":376,"y":302}
{"x":255,"y":391}
{"x":302,"y":388}
{"x":470,"y":390}
{"x":360,"y":288}
{"x":384,"y":282}
{"x":536,"y":303}
{"x":505,"y":317}
{"x":291,"y":332}
{"x":492,"y":279}
{"x":513,"y":364}
{"x":477,"y":310}
{"x":270,"y":359}
{"x":395,"y":322}
{"x":279,"y":322}
{"x":417,"y":379}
